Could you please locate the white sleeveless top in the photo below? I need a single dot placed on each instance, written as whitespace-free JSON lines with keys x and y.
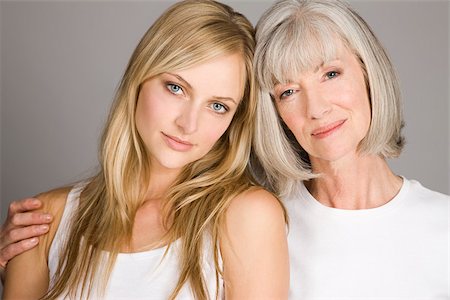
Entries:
{"x":140,"y":275}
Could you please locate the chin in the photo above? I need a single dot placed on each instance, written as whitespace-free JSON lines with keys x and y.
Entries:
{"x":169,"y":163}
{"x":334,"y":154}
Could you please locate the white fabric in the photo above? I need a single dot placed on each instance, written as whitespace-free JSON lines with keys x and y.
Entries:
{"x":397,"y":251}
{"x":142,"y":275}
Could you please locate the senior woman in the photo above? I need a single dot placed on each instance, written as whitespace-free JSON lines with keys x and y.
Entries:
{"x":330,"y":113}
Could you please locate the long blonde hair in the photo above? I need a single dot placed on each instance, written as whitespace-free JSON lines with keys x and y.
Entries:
{"x":187,"y":34}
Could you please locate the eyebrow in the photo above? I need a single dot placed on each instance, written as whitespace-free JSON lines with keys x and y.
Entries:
{"x":327,"y":63}
{"x":225,"y":99}
{"x":190,"y":87}
{"x":319,"y":66}
{"x":181,"y":79}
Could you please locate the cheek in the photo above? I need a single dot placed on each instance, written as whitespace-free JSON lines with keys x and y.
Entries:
{"x":293,"y":121}
{"x":366,"y":119}
{"x":213,"y":133}
{"x":149,"y":116}
{"x":358,"y":98}
{"x":150,"y":109}
{"x":140,"y":117}
{"x":363,"y":110}
{"x":367,"y":114}
{"x":143,"y":118}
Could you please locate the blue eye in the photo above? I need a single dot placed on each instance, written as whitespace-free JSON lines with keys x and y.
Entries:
{"x":219,"y":108}
{"x":174,"y":89}
{"x":287,"y":93}
{"x":331,"y":74}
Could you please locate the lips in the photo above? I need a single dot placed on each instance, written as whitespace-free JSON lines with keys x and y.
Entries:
{"x":325,"y":131}
{"x":176,"y":143}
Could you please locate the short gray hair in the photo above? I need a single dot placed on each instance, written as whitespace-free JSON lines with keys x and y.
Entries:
{"x":292,"y":36}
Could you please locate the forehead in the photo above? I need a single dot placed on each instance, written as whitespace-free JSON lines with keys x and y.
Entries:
{"x":296,"y":47}
{"x":344,"y":61}
{"x":222,"y":76}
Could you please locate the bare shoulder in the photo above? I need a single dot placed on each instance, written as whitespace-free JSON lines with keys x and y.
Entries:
{"x":256,"y":204}
{"x":253,"y":245}
{"x":53,"y":202}
{"x":252,"y":217}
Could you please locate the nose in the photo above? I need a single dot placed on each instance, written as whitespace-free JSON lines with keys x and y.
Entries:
{"x":317,"y":104}
{"x":187,"y":120}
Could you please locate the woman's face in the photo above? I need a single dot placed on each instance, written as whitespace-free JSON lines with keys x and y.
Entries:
{"x":327,"y":109}
{"x":180,"y":115}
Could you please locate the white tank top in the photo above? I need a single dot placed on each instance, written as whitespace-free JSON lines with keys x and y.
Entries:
{"x":141,"y":275}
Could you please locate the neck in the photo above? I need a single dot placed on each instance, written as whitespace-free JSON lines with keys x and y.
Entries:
{"x":160,"y":181}
{"x":149,"y":230}
{"x":358,"y":182}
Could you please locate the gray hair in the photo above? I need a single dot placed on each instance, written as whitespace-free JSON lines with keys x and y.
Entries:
{"x":292,"y":37}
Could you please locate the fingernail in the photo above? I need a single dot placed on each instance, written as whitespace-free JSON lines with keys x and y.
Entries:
{"x":46,"y":217}
{"x":33,"y":241}
{"x":43,"y":228}
{"x":35,"y":202}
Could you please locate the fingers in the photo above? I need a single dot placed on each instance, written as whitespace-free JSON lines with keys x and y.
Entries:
{"x":23,"y":205}
{"x":21,"y":229}
{"x":15,"y":236}
{"x":15,"y":249}
{"x":23,"y":233}
{"x":30,"y":218}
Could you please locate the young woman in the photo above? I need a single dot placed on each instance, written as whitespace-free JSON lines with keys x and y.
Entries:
{"x":330,"y":111}
{"x":173,"y":211}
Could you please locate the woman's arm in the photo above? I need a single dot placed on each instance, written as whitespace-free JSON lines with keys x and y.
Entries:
{"x":21,"y":229}
{"x":254,"y":248}
{"x":27,"y":276}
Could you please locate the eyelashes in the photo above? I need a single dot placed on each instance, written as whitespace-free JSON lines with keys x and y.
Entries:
{"x":216,"y":107}
{"x":291,"y":91}
{"x":287,"y":93}
{"x":174,"y":88}
{"x":219,"y":108}
{"x":332,"y":74}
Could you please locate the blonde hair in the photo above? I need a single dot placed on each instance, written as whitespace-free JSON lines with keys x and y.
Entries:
{"x":187,"y":34}
{"x":292,"y":37}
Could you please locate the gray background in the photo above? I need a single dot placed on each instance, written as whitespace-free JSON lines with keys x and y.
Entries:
{"x":61,"y":63}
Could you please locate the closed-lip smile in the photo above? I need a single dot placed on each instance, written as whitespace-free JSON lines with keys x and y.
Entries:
{"x":326,"y":130}
{"x":176,"y":143}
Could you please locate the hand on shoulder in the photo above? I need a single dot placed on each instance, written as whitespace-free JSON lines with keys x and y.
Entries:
{"x":21,"y":228}
{"x":20,"y":283}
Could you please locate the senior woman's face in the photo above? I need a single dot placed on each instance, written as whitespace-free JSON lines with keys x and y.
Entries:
{"x":327,"y":108}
